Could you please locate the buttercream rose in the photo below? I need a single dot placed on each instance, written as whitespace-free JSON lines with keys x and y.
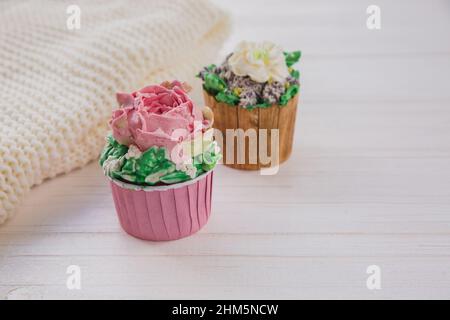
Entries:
{"x":260,"y":61}
{"x":150,"y":116}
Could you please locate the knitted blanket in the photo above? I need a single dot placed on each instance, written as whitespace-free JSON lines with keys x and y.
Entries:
{"x":61,"y":65}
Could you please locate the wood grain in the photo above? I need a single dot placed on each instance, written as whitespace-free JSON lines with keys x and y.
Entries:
{"x":368,"y":181}
{"x":225,"y":117}
{"x":249,"y":122}
{"x":268,"y":119}
{"x":247,"y":155}
{"x":286,"y":125}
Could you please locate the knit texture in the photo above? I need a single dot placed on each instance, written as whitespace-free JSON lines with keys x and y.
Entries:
{"x":58,"y":85}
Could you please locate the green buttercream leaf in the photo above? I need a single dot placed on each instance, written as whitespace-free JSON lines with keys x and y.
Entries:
{"x":160,"y":172}
{"x":149,"y":158}
{"x":227,"y":97}
{"x":208,"y":159}
{"x":213,"y":83}
{"x":153,"y":166}
{"x":292,"y":57}
{"x":113,"y":149}
{"x":130,"y":166}
{"x":161,"y":155}
{"x":105,"y":154}
{"x":116,"y":175}
{"x":289,"y":94}
{"x":175,"y":177}
{"x":148,"y":168}
{"x":295,"y":74}
{"x":209,"y":165}
{"x":210,"y":67}
{"x":199,"y":172}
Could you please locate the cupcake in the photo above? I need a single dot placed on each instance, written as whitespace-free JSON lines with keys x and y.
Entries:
{"x":159,"y":160}
{"x":255,"y":89}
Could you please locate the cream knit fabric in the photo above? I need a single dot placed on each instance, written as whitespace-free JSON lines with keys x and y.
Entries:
{"x":58,"y":85}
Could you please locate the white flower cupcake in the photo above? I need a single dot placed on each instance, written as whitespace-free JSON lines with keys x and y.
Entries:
{"x":257,"y":88}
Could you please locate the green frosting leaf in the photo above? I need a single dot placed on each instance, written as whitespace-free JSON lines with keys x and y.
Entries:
{"x":211,"y":163}
{"x":207,"y":160}
{"x":148,"y":168}
{"x":153,"y":165}
{"x":153,"y":156}
{"x":112,"y":149}
{"x":292,"y":57}
{"x":210,"y":67}
{"x":289,"y":94}
{"x":295,"y":74}
{"x":213,"y":83}
{"x":227,"y":97}
{"x":175,"y":177}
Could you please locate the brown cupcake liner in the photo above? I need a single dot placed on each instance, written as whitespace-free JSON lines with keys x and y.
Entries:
{"x":251,"y":156}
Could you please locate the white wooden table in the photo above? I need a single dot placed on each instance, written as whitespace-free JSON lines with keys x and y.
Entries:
{"x":368,"y":182}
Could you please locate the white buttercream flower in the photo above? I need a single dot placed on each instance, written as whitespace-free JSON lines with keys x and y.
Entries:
{"x":133,"y":152}
{"x":187,"y":168}
{"x":260,"y":61}
{"x":112,"y":165}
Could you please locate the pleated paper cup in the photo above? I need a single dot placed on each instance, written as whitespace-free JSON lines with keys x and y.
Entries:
{"x":162,"y":213}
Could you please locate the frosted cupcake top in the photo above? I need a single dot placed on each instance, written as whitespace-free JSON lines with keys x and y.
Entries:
{"x":254,"y":75}
{"x":159,"y":137}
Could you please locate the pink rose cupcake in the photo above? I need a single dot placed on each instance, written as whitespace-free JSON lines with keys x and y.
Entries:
{"x":160,"y":159}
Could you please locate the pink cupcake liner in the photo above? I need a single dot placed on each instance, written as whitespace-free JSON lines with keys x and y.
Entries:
{"x":163,"y":213}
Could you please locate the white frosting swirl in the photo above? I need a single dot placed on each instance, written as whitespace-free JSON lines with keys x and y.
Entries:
{"x":260,"y":61}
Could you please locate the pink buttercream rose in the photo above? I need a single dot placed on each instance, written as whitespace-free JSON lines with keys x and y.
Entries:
{"x":158,"y":115}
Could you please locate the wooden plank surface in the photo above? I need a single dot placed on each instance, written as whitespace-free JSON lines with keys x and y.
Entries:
{"x":368,"y":181}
